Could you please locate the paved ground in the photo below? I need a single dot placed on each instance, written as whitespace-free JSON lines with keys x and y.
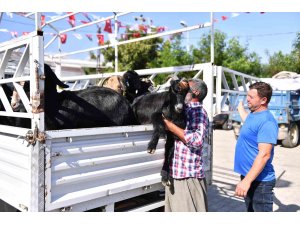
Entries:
{"x":221,"y":193}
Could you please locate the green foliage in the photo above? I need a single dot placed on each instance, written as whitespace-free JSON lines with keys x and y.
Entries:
{"x":202,"y":54}
{"x":136,"y":55}
{"x":280,"y":62}
{"x":157,"y":52}
{"x":237,"y":58}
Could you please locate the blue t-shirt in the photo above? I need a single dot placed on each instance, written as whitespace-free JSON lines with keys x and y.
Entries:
{"x":259,"y":127}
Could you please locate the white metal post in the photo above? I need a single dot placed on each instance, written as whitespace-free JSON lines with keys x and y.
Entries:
{"x":218,"y":89}
{"x":37,"y":200}
{"x":212,"y":39}
{"x":116,"y":44}
{"x":208,"y":105}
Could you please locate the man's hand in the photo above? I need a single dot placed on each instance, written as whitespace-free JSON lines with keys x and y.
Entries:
{"x":240,"y":106}
{"x":167,"y":122}
{"x":242,"y":188}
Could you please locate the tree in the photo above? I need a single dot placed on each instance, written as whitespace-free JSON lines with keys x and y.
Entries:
{"x":202,"y":54}
{"x":172,"y":53}
{"x":281,"y":62}
{"x":236,"y":57}
{"x":135,"y":55}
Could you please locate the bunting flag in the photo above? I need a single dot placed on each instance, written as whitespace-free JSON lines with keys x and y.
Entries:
{"x":78,"y":36}
{"x":71,"y":20}
{"x":234,"y":14}
{"x":100,"y":39}
{"x":25,"y":33}
{"x":160,"y":29}
{"x":14,"y":34}
{"x":111,"y":38}
{"x":89,"y":36}
{"x":124,"y":36}
{"x":143,"y":28}
{"x":9,"y":14}
{"x":120,"y":25}
{"x":134,"y":27}
{"x":63,"y":38}
{"x":224,"y":17}
{"x":136,"y":35}
{"x":84,"y":22}
{"x":87,"y":16}
{"x":43,"y":20}
{"x":107,"y":27}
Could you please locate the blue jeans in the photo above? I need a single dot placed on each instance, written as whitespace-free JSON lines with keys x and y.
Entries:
{"x":260,"y":196}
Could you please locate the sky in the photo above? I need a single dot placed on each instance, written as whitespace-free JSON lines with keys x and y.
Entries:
{"x":260,"y":31}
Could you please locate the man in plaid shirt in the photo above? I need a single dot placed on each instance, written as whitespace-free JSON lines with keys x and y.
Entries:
{"x":188,"y":191}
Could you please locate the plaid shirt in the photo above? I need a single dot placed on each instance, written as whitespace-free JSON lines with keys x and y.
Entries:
{"x":187,"y":160}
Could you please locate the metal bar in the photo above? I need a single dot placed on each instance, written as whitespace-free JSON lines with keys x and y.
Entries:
{"x":22,"y":63}
{"x":23,"y":96}
{"x":4,"y":62}
{"x":148,"y":207}
{"x":50,"y":42}
{"x":4,"y":100}
{"x":116,"y":47}
{"x":16,"y":114}
{"x":139,"y":39}
{"x":59,"y":18}
{"x":212,"y":39}
{"x":16,"y":79}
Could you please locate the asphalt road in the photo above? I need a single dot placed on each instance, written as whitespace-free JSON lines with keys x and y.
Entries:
{"x":221,"y":193}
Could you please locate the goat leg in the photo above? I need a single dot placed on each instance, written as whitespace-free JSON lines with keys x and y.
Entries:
{"x":169,"y":153}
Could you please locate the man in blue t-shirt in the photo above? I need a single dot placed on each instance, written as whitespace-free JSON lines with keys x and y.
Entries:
{"x":254,"y":150}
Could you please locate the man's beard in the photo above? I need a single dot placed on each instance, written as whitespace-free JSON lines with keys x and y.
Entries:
{"x":188,"y":98}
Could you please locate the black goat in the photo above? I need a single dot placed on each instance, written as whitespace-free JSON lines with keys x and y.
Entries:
{"x":91,"y":107}
{"x":135,"y":87}
{"x":151,"y":108}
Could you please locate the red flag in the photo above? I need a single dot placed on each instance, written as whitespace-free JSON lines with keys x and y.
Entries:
{"x":160,"y":29}
{"x":136,"y":35}
{"x":84,"y":22}
{"x":63,"y":38}
{"x":89,"y":36}
{"x":43,"y":20}
{"x":71,"y":20}
{"x":224,"y":17}
{"x":100,"y":39}
{"x":143,"y":28}
{"x":71,"y":17}
{"x":107,"y":27}
{"x":72,"y":23}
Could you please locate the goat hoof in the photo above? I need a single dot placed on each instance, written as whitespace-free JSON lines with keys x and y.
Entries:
{"x":151,"y":151}
{"x":166,"y":183}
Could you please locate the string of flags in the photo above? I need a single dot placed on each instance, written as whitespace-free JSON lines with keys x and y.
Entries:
{"x":131,"y":31}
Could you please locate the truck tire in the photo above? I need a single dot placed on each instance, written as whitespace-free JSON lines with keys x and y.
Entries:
{"x":292,"y":138}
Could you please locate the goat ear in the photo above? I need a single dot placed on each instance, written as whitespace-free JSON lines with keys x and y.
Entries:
{"x":184,"y":84}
